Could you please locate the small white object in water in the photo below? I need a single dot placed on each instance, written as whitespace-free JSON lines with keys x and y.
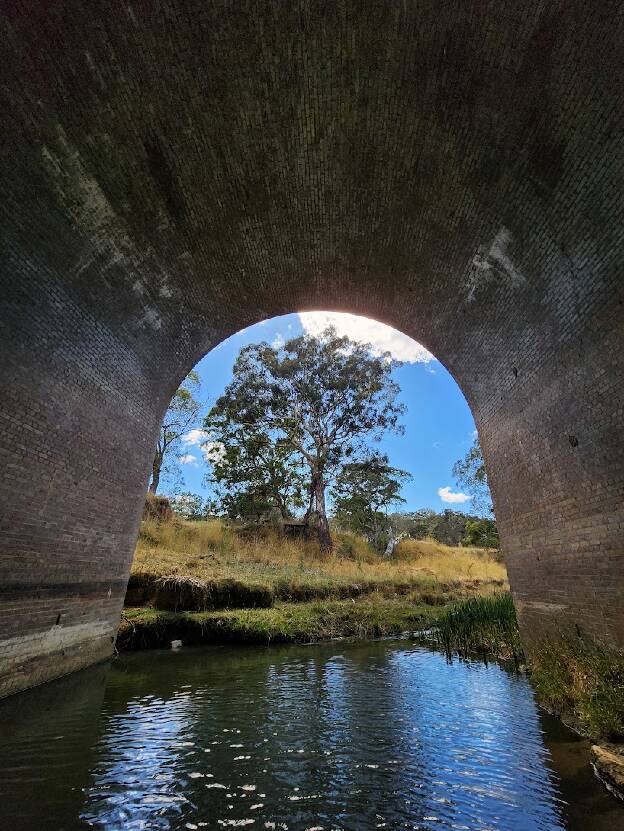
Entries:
{"x":259,"y":805}
{"x":196,"y":775}
{"x":238,"y":758}
{"x":177,"y":645}
{"x":236,"y":745}
{"x":247,"y":787}
{"x":215,"y":785}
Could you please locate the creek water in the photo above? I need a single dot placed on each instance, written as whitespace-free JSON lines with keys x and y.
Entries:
{"x":382,"y":734}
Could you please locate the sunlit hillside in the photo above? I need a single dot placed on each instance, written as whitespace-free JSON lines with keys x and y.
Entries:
{"x":213,"y":551}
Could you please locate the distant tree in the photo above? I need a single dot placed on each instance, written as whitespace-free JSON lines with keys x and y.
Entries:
{"x":363,"y":492}
{"x":449,"y":527}
{"x":182,"y":415}
{"x":481,"y":532}
{"x":250,"y":472}
{"x":417,"y":524}
{"x":471,"y":476}
{"x":188,"y":505}
{"x":323,"y":398}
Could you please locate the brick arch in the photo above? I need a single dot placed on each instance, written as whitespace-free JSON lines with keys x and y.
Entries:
{"x":173,"y":172}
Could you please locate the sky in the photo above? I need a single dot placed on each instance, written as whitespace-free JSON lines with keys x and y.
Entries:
{"x":439,"y":428}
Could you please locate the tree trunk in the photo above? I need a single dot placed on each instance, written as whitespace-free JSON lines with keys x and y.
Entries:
{"x":393,"y":542}
{"x":156,"y":466}
{"x":325,"y":539}
{"x":312,"y":495}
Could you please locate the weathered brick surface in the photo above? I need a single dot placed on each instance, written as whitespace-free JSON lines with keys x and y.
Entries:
{"x":174,"y":171}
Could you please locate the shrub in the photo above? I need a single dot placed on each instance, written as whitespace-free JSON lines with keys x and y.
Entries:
{"x":157,"y":508}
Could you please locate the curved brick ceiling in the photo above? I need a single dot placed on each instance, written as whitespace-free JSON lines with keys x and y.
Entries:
{"x":174,"y":171}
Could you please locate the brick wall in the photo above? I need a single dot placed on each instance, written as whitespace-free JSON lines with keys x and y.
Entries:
{"x":173,"y":172}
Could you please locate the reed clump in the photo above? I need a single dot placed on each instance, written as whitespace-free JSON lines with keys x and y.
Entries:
{"x":485,"y":626}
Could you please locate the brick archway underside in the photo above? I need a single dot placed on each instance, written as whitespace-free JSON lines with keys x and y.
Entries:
{"x":174,"y":171}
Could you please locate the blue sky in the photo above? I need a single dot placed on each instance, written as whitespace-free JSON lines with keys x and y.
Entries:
{"x":439,"y":427}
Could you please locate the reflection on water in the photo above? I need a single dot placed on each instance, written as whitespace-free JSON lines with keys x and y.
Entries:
{"x":334,"y":736}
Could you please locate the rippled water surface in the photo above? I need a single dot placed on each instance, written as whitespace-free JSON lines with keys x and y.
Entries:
{"x":336,"y":736}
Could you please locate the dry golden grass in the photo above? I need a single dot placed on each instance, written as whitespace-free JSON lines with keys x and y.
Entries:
{"x":212,"y":551}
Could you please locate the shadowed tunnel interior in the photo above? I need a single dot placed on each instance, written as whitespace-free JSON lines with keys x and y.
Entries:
{"x":174,"y":172}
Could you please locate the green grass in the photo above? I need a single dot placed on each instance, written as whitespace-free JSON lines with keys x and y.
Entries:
{"x":583,"y":682}
{"x":283,"y":623}
{"x":483,"y":626}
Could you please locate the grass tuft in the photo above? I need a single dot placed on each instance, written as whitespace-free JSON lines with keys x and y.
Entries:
{"x":483,"y":626}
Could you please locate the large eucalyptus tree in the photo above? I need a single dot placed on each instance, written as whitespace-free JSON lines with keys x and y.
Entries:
{"x":321,"y":400}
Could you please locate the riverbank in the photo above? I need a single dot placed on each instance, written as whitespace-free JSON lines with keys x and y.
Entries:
{"x":198,"y":566}
{"x":366,"y":617}
{"x":207,"y":582}
{"x":579,"y":681}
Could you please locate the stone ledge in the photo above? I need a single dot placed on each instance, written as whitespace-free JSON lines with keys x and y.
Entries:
{"x":608,"y":765}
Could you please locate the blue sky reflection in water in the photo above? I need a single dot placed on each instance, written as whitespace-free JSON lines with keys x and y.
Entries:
{"x":439,"y":427}
{"x":334,"y":736}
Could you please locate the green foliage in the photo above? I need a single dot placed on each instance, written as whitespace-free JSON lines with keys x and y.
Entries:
{"x":363,"y":492}
{"x":481,"y":532}
{"x":448,"y":527}
{"x":584,"y":680}
{"x":471,"y":476}
{"x":250,"y":471}
{"x":312,"y":403}
{"x":481,"y":625}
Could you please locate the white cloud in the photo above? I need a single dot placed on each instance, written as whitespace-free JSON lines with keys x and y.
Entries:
{"x":213,"y":451}
{"x":194,"y":437}
{"x":447,"y":495}
{"x":363,"y":330}
{"x":189,"y":459}
{"x":278,"y":341}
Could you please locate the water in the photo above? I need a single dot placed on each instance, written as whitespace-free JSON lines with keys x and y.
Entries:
{"x":383,"y":734}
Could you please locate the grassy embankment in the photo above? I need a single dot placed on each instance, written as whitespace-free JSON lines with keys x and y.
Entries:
{"x":203,"y":582}
{"x":576,"y":678}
